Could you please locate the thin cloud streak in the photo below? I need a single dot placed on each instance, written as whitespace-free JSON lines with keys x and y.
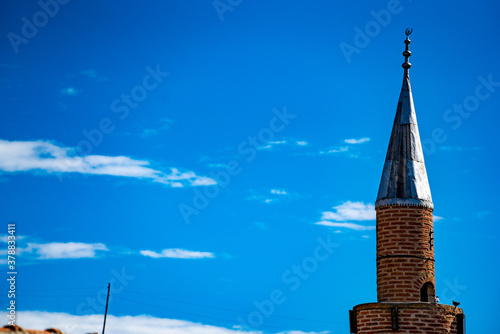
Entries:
{"x":357,"y":141}
{"x":40,"y":155}
{"x":350,"y":226}
{"x":177,"y":253}
{"x":340,"y":149}
{"x":348,"y":211}
{"x":79,"y":250}
{"x":64,"y":250}
{"x":163,"y":124}
{"x":70,"y":91}
{"x":358,"y":211}
{"x":270,"y":145}
{"x":92,"y":74}
{"x":273,"y":196}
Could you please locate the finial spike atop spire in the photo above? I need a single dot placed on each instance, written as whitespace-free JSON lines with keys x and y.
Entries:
{"x":407,"y":53}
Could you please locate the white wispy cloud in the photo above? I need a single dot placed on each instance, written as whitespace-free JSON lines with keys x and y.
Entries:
{"x":349,"y":211}
{"x":45,"y":156}
{"x":351,"y":226}
{"x":77,"y":250}
{"x":437,"y":218}
{"x":334,"y":150}
{"x":69,"y":323}
{"x":357,"y":141}
{"x":458,"y":148}
{"x":272,"y":196}
{"x":284,"y":142}
{"x":277,"y":142}
{"x":177,"y":253}
{"x":91,"y":73}
{"x":64,"y":250}
{"x":70,"y":91}
{"x":53,"y":250}
{"x":217,"y":165}
{"x":163,"y":124}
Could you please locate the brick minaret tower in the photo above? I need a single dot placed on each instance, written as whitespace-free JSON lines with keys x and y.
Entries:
{"x":405,"y":238}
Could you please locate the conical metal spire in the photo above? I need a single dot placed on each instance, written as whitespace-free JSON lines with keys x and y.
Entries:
{"x":404,"y":178}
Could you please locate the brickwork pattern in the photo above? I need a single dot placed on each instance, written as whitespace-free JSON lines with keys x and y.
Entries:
{"x":405,"y":252}
{"x":413,"y":318}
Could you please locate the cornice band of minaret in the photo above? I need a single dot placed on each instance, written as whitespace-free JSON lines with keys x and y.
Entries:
{"x":404,"y":177}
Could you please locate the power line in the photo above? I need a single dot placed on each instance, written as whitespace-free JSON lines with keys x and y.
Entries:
{"x":193,"y":314}
{"x":227,"y":309}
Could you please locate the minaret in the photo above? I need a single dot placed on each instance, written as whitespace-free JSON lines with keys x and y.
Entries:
{"x":405,"y":250}
{"x":405,"y":237}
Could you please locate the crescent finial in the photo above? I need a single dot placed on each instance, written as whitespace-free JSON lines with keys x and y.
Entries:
{"x":407,"y":52}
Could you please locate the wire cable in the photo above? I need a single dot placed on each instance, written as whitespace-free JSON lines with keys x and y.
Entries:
{"x":193,"y":314}
{"x":227,"y":309}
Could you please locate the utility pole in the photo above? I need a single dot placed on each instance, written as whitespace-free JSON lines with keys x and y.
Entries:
{"x":106,"y":311}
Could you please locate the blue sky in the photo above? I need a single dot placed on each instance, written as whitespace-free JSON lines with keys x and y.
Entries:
{"x":187,"y":150}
